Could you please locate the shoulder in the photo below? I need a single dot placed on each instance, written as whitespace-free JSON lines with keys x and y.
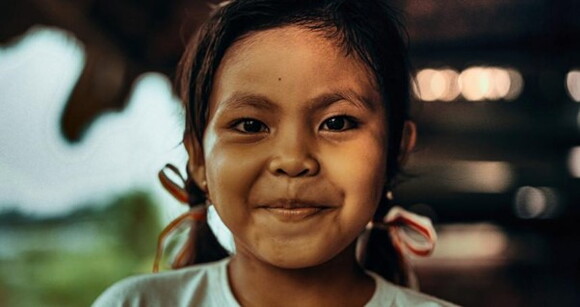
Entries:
{"x":389,"y":294}
{"x":182,"y":287}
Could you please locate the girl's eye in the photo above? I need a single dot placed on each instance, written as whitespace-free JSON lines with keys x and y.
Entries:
{"x":339,"y":123}
{"x":248,"y":125}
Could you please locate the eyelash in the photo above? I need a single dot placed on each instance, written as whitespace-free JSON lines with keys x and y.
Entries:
{"x":236,"y":125}
{"x":350,"y":122}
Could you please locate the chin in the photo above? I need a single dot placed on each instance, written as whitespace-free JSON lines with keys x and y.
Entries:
{"x":300,"y":257}
{"x":295,"y":263}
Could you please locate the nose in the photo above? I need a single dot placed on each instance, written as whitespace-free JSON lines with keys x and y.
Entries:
{"x":293,"y":159}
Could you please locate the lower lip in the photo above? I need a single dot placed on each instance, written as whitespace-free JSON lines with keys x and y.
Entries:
{"x":294,"y":214}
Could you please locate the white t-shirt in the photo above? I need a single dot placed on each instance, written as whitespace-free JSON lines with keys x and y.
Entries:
{"x":207,"y":285}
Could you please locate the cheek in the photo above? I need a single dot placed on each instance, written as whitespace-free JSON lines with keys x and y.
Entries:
{"x":360,"y":170}
{"x":230,"y":173}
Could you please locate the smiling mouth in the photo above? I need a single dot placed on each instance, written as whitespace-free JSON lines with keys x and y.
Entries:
{"x":292,"y":211}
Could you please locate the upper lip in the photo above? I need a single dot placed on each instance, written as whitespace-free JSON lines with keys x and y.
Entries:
{"x":293,"y":203}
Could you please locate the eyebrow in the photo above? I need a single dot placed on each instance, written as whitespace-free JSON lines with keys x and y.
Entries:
{"x":240,"y":100}
{"x":326,"y":100}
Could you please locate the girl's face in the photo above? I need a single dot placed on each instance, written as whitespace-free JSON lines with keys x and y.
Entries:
{"x":295,"y":147}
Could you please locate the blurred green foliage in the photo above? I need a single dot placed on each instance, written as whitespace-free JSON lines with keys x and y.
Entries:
{"x":70,"y":260}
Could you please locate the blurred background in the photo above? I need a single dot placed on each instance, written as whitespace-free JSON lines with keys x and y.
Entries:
{"x":87,"y":118}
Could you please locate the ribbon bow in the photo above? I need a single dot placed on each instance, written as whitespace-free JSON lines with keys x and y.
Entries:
{"x":398,"y":219}
{"x":195,"y":214}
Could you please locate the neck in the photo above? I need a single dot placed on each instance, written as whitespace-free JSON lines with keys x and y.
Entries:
{"x":340,"y":281}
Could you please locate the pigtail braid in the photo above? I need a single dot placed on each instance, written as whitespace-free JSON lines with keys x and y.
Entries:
{"x":201,"y":244}
{"x":380,"y":254}
{"x":203,"y":241}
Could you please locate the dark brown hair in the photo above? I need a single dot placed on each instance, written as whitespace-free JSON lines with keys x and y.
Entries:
{"x":367,"y":29}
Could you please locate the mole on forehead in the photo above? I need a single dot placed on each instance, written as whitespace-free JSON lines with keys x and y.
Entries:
{"x":236,"y":53}
{"x":238,"y":56}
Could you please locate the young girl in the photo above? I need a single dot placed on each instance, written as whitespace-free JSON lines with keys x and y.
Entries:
{"x":296,"y":124}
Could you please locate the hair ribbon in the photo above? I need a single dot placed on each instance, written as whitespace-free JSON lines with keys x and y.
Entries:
{"x":177,"y":191}
{"x":398,"y":218}
{"x":195,"y":214}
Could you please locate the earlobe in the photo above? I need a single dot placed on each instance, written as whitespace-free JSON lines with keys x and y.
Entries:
{"x":408,"y":140}
{"x":196,"y":161}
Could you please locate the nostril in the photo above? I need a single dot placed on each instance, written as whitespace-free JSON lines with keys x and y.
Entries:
{"x":281,"y":166}
{"x":301,"y":173}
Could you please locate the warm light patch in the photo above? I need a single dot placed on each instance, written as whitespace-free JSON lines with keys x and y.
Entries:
{"x":477,"y":83}
{"x":573,"y":84}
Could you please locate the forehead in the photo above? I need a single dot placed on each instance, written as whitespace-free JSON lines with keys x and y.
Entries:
{"x":291,"y":63}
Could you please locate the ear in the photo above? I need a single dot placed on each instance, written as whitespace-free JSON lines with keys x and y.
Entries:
{"x":196,"y":161}
{"x":408,"y":140}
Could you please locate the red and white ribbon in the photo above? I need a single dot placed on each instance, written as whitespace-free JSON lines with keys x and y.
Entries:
{"x":398,"y":218}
